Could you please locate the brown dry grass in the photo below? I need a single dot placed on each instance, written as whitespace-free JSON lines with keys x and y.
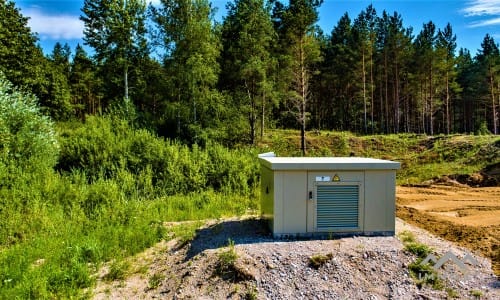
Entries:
{"x":468,"y":216}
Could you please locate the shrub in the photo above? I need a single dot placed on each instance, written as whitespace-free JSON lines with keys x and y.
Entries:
{"x":28,"y":143}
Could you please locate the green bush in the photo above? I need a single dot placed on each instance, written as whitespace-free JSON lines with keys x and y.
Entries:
{"x":28,"y":143}
{"x":106,"y":147}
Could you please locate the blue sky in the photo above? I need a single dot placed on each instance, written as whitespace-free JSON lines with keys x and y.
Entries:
{"x":58,"y":20}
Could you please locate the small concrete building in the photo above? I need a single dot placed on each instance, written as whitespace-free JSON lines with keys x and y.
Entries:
{"x":306,"y":196}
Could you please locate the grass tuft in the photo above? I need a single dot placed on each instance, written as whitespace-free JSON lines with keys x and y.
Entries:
{"x":318,"y":260}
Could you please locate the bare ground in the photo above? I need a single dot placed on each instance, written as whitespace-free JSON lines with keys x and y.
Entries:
{"x":357,"y":268}
{"x":470,"y":217}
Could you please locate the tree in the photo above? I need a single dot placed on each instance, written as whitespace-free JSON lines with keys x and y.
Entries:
{"x":191,"y":51}
{"x":489,"y":61}
{"x":365,"y":37}
{"x":116,"y":30}
{"x":339,"y":59}
{"x":445,"y":51}
{"x":296,"y":25}
{"x":84,"y":84}
{"x":248,"y":38}
{"x":21,"y":61}
{"x":424,"y":55}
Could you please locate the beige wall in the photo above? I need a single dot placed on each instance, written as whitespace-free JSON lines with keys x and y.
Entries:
{"x":380,"y":195}
{"x":290,"y":202}
{"x":284,"y":199}
{"x":267,"y":194}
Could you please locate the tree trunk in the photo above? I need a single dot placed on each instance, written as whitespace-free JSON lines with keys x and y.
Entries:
{"x":493,"y":104}
{"x":431,"y":104}
{"x":372,"y":88}
{"x":303,"y":84}
{"x":263,"y":116}
{"x":448,"y":119}
{"x":125,"y":81}
{"x":364,"y":95}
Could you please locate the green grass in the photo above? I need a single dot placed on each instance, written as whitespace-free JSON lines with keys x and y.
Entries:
{"x":423,"y":274}
{"x":318,"y":260}
{"x":227,"y":259}
{"x":114,"y":188}
{"x":422,"y":157}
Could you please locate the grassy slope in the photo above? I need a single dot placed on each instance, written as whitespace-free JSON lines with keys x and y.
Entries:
{"x":52,"y":248}
{"x":422,"y":157}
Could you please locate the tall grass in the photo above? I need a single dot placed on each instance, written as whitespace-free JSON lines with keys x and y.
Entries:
{"x":112,"y":189}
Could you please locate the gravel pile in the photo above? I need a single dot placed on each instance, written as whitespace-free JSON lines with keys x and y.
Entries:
{"x":352,"y":268}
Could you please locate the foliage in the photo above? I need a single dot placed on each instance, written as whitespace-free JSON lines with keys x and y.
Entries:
{"x":227,"y":259}
{"x":155,"y":280}
{"x":27,"y":139}
{"x":318,"y":260}
{"x":423,"y":274}
{"x":116,"y":30}
{"x":109,"y":147}
{"x":116,"y":188}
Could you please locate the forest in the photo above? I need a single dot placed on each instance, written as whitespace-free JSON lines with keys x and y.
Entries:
{"x":163,"y":121}
{"x":266,"y":65}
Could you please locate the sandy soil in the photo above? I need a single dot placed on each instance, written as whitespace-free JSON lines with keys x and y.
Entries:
{"x":468,"y":216}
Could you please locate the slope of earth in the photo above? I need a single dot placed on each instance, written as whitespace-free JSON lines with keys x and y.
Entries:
{"x":468,"y":216}
{"x":263,"y":268}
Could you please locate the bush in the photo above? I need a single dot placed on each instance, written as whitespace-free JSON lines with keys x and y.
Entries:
{"x":106,"y":147}
{"x":28,"y":143}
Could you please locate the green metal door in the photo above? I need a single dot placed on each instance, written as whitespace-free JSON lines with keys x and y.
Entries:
{"x":337,"y":207}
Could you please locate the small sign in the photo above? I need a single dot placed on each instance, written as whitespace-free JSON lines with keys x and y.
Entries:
{"x":336,"y":178}
{"x":323,"y":178}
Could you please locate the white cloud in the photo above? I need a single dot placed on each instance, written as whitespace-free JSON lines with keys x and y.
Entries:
{"x":485,"y":12}
{"x":489,"y":22}
{"x":482,"y":8}
{"x":54,"y":26}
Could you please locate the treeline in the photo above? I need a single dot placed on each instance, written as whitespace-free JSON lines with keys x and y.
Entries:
{"x":266,"y":65}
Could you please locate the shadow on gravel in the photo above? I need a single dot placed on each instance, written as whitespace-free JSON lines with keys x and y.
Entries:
{"x":247,"y":231}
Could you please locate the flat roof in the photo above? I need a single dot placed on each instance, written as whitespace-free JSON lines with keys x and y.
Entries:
{"x":328,"y":163}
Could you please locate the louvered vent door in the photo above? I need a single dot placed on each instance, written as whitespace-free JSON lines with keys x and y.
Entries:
{"x":337,"y":207}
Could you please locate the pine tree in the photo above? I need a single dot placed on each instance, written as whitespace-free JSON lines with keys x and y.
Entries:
{"x":248,"y":38}
{"x":445,"y":51}
{"x":84,"y":84}
{"x":296,"y":25}
{"x":489,"y":62}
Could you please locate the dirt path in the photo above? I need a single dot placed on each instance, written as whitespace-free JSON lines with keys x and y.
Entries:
{"x":467,"y":216}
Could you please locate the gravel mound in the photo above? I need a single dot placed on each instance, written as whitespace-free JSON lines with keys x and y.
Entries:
{"x":351,"y":268}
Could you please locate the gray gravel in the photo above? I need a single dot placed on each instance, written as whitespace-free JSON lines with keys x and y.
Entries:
{"x":359,"y":268}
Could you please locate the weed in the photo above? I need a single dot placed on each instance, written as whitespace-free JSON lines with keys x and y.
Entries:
{"x":155,"y":280}
{"x":452,"y":293}
{"x":318,"y":260}
{"x":117,"y":270}
{"x":419,"y":249}
{"x":424,"y":274}
{"x":407,"y":237}
{"x":477,"y":294}
{"x":251,"y":294}
{"x":227,"y":259}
